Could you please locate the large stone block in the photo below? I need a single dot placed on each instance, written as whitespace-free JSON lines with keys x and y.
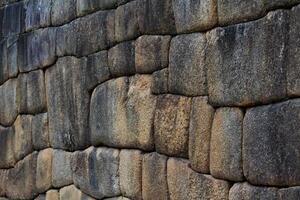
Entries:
{"x":52,"y":195}
{"x":291,"y":193}
{"x":245,"y":65}
{"x":121,"y":59}
{"x":3,"y":61}
{"x":96,"y":172}
{"x":44,"y":170}
{"x":246,"y":191}
{"x":151,"y":53}
{"x":195,"y":15}
{"x":130,"y":171}
{"x":154,"y":177}
{"x":12,"y":56}
{"x":61,"y":169}
{"x":122,"y":112}
{"x":62,"y":11}
{"x":171,"y":125}
{"x":71,"y":192}
{"x":40,"y":131}
{"x":156,"y":17}
{"x":88,"y":6}
{"x":271,"y":144}
{"x":160,"y":81}
{"x":201,"y":119}
{"x":32,"y":92}
{"x":187,"y":69}
{"x":226,"y":144}
{"x":7,"y":158}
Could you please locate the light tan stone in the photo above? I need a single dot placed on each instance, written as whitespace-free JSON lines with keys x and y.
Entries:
{"x":44,"y":170}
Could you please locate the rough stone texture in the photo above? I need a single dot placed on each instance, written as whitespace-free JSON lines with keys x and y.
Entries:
{"x":7,"y":158}
{"x":130,"y":171}
{"x":95,"y":172}
{"x":122,"y":112}
{"x":3,"y":62}
{"x":87,"y":6}
{"x":40,"y":131}
{"x":61,"y":169}
{"x":156,"y":17}
{"x":62,"y":11}
{"x":187,"y":70}
{"x":171,"y":125}
{"x":226,"y":144}
{"x":232,"y":12}
{"x":121,"y":59}
{"x":40,"y":197}
{"x":154,"y":177}
{"x":280,"y":3}
{"x":201,"y":119}
{"x":3,"y":183}
{"x":245,"y":65}
{"x":151,"y":53}
{"x":246,"y":191}
{"x":271,"y":144}
{"x":160,"y":81}
{"x":52,"y":195}
{"x":44,"y":170}
{"x":12,"y":56}
{"x":291,"y":193}
{"x":71,"y":192}
{"x":32,"y":92}
{"x":195,"y":15}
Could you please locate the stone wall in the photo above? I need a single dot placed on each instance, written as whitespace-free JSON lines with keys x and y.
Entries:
{"x":150,"y":99}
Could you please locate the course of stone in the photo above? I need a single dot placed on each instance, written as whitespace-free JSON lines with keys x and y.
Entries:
{"x":150,"y":99}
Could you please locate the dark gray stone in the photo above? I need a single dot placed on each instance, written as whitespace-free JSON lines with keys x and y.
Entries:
{"x":279,"y":3}
{"x":40,"y":131}
{"x":12,"y":56}
{"x":4,"y":75}
{"x":245,"y":65}
{"x":62,"y":11}
{"x":291,"y":193}
{"x":88,"y":6}
{"x":187,"y":69}
{"x":3,"y":182}
{"x":160,"y":81}
{"x":271,"y":144}
{"x":7,"y":158}
{"x":13,"y":21}
{"x":41,"y":197}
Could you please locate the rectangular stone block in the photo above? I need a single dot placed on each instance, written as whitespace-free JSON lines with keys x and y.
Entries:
{"x":40,"y":131}
{"x":13,"y":19}
{"x":3,"y":61}
{"x":187,"y":69}
{"x":195,"y":15}
{"x":171,"y":124}
{"x":88,"y":6}
{"x":62,"y":11}
{"x":245,"y":66}
{"x":7,"y":158}
{"x":71,"y":192}
{"x":44,"y":170}
{"x":12,"y":56}
{"x":61,"y":169}
{"x":201,"y":119}
{"x":52,"y":195}
{"x":160,"y":81}
{"x":271,"y":144}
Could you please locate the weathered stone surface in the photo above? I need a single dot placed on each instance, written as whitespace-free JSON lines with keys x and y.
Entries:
{"x":130,"y":171}
{"x":126,"y":22}
{"x":246,"y":191}
{"x":12,"y":56}
{"x":160,"y":81}
{"x":7,"y":159}
{"x":151,"y":53}
{"x":23,"y":179}
{"x":61,"y":169}
{"x":226,"y":144}
{"x":23,"y":137}
{"x":121,"y":59}
{"x":87,"y":6}
{"x":195,"y":15}
{"x":44,"y":170}
{"x":201,"y":119}
{"x":40,"y":131}
{"x":38,"y":14}
{"x":293,"y":69}
{"x":3,"y":181}
{"x":52,"y":195}
{"x":271,"y":144}
{"x":117,"y":198}
{"x":292,"y":193}
{"x":156,"y":17}
{"x":68,"y":103}
{"x":184,"y":183}
{"x":245,"y":65}
{"x":62,"y":11}
{"x":279,"y":3}
{"x":122,"y":112}
{"x":187,"y":70}
{"x":171,"y":125}
{"x":3,"y":61}
{"x":40,"y":197}
{"x":233,"y":12}
{"x":9,"y":102}
{"x":95,"y":172}
{"x":154,"y":177}
{"x":32,"y":92}
{"x":71,"y":192}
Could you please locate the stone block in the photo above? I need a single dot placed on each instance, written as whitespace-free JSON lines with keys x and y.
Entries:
{"x":226,"y":144}
{"x":156,"y":17}
{"x":151,"y":53}
{"x":126,"y":22}
{"x":154,"y":177}
{"x":61,"y":169}
{"x":122,"y":112}
{"x":130,"y":171}
{"x":171,"y":125}
{"x":32,"y":92}
{"x":291,"y":193}
{"x":88,"y":6}
{"x":248,"y":192}
{"x":12,"y":56}
{"x":7,"y":158}
{"x":280,"y":4}
{"x":44,"y":170}
{"x":62,"y":11}
{"x":160,"y":81}
{"x":3,"y":181}
{"x":245,"y":66}
{"x":52,"y":195}
{"x":13,"y":19}
{"x":40,"y":131}
{"x":187,"y":69}
{"x":195,"y":15}
{"x":38,"y":14}
{"x":201,"y":119}
{"x":271,"y":144}
{"x":3,"y":61}
{"x":71,"y":192}
{"x":121,"y":59}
